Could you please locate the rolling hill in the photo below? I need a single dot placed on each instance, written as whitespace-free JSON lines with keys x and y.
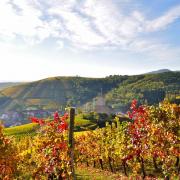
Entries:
{"x":148,"y":88}
{"x":4,"y":85}
{"x":58,"y":92}
{"x":159,"y":71}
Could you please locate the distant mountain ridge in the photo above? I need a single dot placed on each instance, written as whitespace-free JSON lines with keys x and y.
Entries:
{"x":159,"y":71}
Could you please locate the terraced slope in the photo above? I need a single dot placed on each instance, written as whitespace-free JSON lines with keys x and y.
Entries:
{"x":52,"y":93}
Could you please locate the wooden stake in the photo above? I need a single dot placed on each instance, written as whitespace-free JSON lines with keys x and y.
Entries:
{"x":71,"y":141}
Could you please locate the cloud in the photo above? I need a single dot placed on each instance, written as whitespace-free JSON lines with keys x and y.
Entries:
{"x":163,"y":21}
{"x":88,"y":24}
{"x":111,"y":22}
{"x":154,"y":49}
{"x":76,"y":28}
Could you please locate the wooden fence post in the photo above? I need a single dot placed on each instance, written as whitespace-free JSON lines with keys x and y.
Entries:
{"x":71,"y":141}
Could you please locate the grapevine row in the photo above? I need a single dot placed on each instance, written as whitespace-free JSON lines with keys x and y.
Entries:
{"x":148,"y":144}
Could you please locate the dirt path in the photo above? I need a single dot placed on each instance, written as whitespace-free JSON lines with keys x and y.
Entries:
{"x":89,"y":173}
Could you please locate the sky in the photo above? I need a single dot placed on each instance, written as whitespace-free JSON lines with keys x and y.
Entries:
{"x":90,"y":38}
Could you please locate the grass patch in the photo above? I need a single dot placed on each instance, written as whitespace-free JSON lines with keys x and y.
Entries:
{"x":84,"y":124}
{"x":23,"y":130}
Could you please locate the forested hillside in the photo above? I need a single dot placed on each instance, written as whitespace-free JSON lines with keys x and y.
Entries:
{"x":58,"y":92}
{"x":149,"y":89}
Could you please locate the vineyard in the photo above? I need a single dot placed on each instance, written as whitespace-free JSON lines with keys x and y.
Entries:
{"x":147,"y":146}
{"x":21,"y":131}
